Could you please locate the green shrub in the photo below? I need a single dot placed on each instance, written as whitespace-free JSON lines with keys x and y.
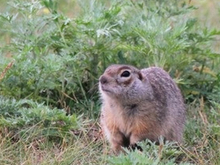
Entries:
{"x":152,"y":154}
{"x":24,"y":117}
{"x":59,"y":59}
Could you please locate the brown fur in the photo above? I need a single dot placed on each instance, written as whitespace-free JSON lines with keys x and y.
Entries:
{"x":146,"y":104}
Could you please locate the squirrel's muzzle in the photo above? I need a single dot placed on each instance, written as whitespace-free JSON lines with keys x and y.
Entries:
{"x":103,"y":80}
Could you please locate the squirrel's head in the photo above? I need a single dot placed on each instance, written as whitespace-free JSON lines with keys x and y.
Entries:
{"x":123,"y":82}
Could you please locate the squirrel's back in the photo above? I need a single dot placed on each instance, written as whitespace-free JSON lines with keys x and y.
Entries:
{"x":169,"y":102}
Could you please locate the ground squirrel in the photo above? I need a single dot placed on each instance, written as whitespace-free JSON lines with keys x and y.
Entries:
{"x":138,"y":105}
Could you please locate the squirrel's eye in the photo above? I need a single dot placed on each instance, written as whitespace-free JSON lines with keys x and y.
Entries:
{"x":125,"y":74}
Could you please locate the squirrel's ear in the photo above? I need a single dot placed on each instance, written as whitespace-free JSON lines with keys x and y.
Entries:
{"x":140,"y":76}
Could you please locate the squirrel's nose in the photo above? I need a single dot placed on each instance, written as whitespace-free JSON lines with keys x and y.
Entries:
{"x":103,"y":80}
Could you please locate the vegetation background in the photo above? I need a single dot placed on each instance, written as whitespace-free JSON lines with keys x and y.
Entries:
{"x":52,"y":53}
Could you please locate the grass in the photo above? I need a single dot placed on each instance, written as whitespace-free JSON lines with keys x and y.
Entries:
{"x":85,"y":145}
{"x":53,"y":53}
{"x":42,"y":151}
